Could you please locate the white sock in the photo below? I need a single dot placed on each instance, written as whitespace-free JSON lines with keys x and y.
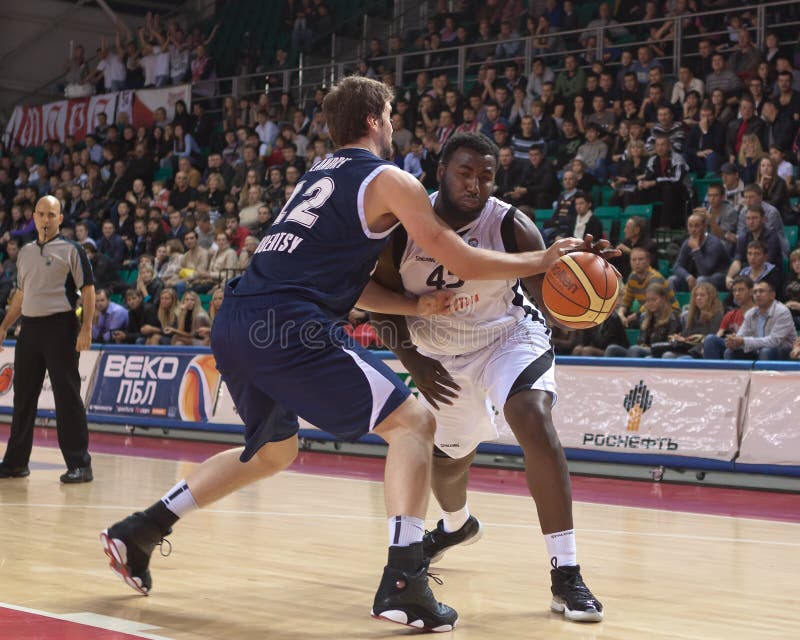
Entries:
{"x":179,"y":499}
{"x":405,"y":530}
{"x":561,"y":546}
{"x":454,"y":520}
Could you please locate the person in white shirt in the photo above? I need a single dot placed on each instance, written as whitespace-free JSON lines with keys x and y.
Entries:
{"x":585,"y":220}
{"x":686,"y":83}
{"x":767,"y":332}
{"x":111,"y":68}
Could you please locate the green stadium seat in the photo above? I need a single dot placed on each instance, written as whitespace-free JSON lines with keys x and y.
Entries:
{"x":116,"y":297}
{"x":633,"y":336}
{"x":641,"y":210}
{"x":664,"y":268}
{"x":701,"y":186}
{"x":613,"y":213}
{"x":607,"y":191}
{"x":683,"y":298}
{"x":205,"y":299}
{"x":540,"y":215}
{"x":608,"y":227}
{"x":791,"y":235}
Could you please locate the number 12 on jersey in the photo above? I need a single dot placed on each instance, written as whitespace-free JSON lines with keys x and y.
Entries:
{"x":315,"y":196}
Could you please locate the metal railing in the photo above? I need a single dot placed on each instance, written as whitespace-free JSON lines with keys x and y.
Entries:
{"x":466,"y":61}
{"x":464,"y":64}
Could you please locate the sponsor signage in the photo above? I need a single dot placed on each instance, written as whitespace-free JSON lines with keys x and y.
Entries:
{"x":771,"y":431}
{"x":47,"y":402}
{"x":648,"y":410}
{"x":158,"y":383}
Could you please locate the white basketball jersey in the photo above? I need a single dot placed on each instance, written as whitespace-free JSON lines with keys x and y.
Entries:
{"x":484,"y":310}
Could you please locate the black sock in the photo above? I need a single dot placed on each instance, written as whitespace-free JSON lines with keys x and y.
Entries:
{"x":162,"y":516}
{"x":408,"y":558}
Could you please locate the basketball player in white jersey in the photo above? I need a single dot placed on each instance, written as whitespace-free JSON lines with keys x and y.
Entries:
{"x":494,"y":349}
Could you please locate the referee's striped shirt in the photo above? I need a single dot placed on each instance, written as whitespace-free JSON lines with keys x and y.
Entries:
{"x":50,"y":275}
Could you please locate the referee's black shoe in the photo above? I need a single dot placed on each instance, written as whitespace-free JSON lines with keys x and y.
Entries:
{"x":436,"y":542}
{"x":406,"y":598}
{"x":78,"y":475}
{"x":8,"y":472}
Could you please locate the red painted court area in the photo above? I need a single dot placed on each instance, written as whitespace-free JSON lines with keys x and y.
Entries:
{"x":649,"y":495}
{"x":24,"y":625}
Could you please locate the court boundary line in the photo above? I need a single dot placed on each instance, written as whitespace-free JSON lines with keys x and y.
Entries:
{"x":68,"y":617}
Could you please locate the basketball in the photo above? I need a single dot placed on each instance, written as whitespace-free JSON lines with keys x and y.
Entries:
{"x":580,"y":290}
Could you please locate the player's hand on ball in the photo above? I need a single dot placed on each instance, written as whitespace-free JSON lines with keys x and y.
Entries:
{"x":432,"y":379}
{"x":435,"y":303}
{"x":561,"y":247}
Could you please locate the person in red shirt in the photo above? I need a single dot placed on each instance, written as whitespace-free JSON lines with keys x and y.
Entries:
{"x":236,"y":233}
{"x":742,"y":290}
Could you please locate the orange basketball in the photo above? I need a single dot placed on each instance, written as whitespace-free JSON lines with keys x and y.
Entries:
{"x":580,"y":290}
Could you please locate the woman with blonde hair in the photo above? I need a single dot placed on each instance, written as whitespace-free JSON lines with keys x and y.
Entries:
{"x":217,"y":295}
{"x":774,"y":188}
{"x":167,"y":319}
{"x":191,"y":318}
{"x":217,"y":190}
{"x":252,"y":179}
{"x":703,"y":318}
{"x":750,"y":152}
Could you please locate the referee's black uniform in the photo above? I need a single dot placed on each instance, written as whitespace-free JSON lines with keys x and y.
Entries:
{"x":49,"y":278}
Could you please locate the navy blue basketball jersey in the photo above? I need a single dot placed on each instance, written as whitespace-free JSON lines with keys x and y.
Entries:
{"x":320,"y":249}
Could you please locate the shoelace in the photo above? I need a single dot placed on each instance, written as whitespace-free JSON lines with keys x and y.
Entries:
{"x":435,"y":577}
{"x":161,"y":544}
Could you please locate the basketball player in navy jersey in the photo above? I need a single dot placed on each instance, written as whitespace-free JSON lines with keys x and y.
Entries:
{"x":281,"y":351}
{"x":494,"y":345}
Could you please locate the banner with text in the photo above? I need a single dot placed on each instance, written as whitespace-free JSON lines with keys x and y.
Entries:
{"x":772,"y":422}
{"x":159,"y":383}
{"x":47,"y":401}
{"x":648,"y":410}
{"x":31,"y":125}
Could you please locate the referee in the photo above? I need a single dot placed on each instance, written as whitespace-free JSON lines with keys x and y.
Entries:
{"x":49,"y":274}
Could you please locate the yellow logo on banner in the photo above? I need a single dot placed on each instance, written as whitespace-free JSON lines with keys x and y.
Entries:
{"x":636,"y":403}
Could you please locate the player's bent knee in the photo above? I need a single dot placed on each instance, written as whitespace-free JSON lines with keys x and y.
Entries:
{"x":409,"y":418}
{"x":529,"y":416}
{"x":276,"y":456}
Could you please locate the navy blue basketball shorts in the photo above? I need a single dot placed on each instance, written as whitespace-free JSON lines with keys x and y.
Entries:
{"x":290,"y":358}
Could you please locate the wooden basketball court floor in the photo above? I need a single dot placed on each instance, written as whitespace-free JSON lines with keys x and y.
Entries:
{"x":298,"y":557}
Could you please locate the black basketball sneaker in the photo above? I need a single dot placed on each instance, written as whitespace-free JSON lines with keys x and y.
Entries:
{"x":406,"y":598}
{"x":571,"y":596}
{"x":129,"y":545}
{"x":436,"y":542}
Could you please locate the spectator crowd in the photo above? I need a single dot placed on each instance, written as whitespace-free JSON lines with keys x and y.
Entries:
{"x":167,"y":213}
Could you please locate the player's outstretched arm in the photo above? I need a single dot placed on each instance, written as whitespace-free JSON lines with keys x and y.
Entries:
{"x":398,"y":193}
{"x":377,"y":298}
